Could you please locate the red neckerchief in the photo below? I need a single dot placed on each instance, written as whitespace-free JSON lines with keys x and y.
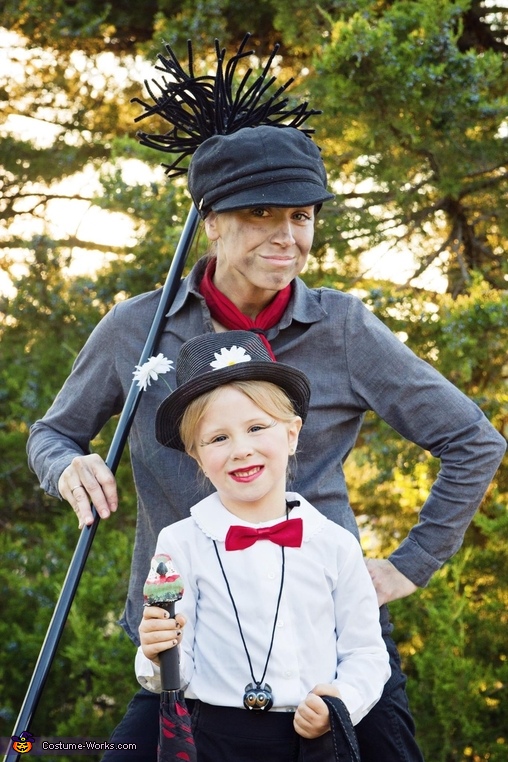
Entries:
{"x":227,"y":314}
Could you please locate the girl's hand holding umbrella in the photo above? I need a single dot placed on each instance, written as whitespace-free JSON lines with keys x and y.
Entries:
{"x":158,"y":632}
{"x":312,"y":717}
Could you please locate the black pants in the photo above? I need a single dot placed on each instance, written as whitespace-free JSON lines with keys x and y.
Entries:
{"x":386,"y":734}
{"x":225,"y":734}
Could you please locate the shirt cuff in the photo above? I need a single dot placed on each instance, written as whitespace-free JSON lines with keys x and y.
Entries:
{"x":352,"y":700}
{"x":148,"y":674}
{"x":50,"y":483}
{"x":414,"y":562}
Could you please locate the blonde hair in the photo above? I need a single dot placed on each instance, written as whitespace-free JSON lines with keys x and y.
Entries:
{"x":267,"y":396}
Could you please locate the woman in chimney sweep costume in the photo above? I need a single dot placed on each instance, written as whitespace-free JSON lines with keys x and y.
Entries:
{"x":258,"y":190}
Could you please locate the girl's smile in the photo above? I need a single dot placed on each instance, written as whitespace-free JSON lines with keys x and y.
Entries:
{"x":247,"y":475}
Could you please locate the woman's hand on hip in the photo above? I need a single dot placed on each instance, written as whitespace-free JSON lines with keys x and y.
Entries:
{"x":389,"y":582}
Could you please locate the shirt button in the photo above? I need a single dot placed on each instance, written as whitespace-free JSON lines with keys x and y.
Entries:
{"x":288,"y":673}
{"x":270,"y":575}
{"x":280,"y":623}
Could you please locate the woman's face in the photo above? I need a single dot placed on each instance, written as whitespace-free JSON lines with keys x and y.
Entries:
{"x":260,"y":250}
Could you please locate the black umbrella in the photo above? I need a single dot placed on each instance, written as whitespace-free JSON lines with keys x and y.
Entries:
{"x":175,"y":736}
{"x":340,"y":745}
{"x":196,"y":107}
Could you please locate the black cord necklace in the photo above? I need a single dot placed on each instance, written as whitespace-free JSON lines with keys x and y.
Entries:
{"x":258,"y":697}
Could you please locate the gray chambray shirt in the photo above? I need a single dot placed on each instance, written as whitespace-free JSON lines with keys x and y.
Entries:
{"x":354,"y":364}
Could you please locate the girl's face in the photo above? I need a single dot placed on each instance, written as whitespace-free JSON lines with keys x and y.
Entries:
{"x":244,"y":452}
{"x":260,"y":250}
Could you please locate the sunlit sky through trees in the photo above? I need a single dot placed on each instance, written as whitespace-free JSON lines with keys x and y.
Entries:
{"x":71,"y":214}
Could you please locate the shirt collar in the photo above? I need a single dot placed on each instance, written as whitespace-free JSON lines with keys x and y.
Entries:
{"x":304,"y":306}
{"x":214,"y":520}
{"x":188,"y":286}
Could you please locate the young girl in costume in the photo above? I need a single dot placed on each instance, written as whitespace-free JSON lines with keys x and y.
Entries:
{"x":278,"y":608}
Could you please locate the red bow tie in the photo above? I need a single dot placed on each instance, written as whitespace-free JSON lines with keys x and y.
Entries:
{"x":288,"y":533}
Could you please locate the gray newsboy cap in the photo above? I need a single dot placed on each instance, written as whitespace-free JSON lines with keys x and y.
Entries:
{"x":257,"y":166}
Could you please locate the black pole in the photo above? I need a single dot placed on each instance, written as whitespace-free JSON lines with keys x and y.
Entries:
{"x":71,"y":582}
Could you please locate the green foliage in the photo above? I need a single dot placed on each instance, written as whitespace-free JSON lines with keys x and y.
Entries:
{"x":159,"y":208}
{"x":451,"y":638}
{"x":413,"y":134}
{"x":451,"y":635}
{"x":91,"y":25}
{"x":418,"y":118}
{"x":93,"y":670}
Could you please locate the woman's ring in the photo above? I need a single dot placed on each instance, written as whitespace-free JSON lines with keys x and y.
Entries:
{"x":75,"y":488}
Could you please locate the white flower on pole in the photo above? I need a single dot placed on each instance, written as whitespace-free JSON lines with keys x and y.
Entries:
{"x":151,"y":370}
{"x":229,"y":357}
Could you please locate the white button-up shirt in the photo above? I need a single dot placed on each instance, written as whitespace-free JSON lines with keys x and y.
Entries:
{"x":328,"y":627}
